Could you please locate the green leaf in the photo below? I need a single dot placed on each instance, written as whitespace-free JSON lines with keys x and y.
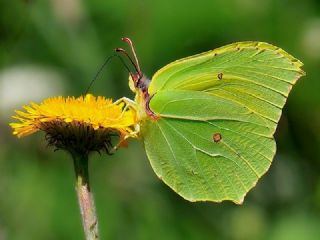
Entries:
{"x":218,"y":112}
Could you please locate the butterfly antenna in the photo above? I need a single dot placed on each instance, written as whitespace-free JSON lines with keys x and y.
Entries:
{"x":130,"y":43}
{"x":124,"y":64}
{"x":121,"y":50}
{"x":102,"y":67}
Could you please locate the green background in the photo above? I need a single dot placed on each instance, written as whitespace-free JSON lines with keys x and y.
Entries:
{"x":55,"y":47}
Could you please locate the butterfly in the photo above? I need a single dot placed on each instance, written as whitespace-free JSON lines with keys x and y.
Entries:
{"x":207,"y":121}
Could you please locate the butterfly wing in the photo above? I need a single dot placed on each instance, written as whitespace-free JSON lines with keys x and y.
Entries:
{"x":218,"y":112}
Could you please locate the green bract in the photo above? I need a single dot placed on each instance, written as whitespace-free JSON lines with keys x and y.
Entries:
{"x":216,"y":115}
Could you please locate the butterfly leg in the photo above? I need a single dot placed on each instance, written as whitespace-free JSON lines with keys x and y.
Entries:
{"x":123,"y":141}
{"x":128,"y":102}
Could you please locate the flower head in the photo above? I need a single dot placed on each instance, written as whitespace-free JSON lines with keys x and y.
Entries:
{"x":82,"y":124}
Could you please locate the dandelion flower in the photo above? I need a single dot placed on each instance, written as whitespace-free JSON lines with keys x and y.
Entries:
{"x":81,"y":125}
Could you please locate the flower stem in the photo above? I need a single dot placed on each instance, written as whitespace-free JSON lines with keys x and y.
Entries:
{"x":86,"y":201}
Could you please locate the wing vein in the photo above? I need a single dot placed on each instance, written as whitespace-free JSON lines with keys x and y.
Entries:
{"x":174,"y":157}
{"x":194,"y":148}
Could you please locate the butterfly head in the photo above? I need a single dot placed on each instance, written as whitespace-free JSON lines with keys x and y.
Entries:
{"x":138,"y":82}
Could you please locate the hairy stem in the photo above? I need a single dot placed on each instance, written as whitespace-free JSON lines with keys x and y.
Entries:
{"x":85,"y":198}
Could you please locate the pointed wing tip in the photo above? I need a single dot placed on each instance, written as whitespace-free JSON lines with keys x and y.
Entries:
{"x":267,"y":46}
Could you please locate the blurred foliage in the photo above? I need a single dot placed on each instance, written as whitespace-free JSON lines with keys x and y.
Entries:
{"x":69,"y":40}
